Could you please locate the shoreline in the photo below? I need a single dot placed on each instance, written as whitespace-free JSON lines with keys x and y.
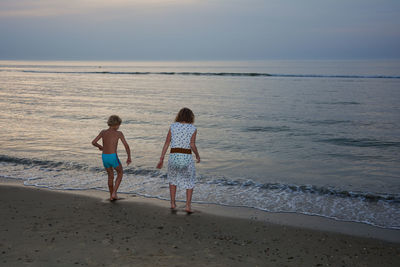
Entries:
{"x":311,"y":222}
{"x":44,"y":227}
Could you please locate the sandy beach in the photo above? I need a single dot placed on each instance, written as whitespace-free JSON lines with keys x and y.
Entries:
{"x":40,"y":227}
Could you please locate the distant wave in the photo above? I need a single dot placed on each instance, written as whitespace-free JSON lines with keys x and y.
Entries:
{"x":339,"y":103}
{"x":272,"y":129}
{"x":336,"y":76}
{"x":362,"y":142}
{"x":229,"y":74}
{"x":328,"y":122}
{"x":233,"y":74}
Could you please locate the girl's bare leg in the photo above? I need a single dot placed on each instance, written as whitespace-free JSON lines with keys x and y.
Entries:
{"x":189,"y":193}
{"x":172,"y":192}
{"x":110,"y":173}
{"x":120,"y":173}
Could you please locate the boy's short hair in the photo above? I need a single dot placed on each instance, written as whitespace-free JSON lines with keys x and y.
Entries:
{"x":114,"y":120}
{"x":185,"y":115}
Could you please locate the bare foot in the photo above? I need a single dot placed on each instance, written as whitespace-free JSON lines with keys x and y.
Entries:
{"x":173,"y":206}
{"x":188,"y":210}
{"x":114,"y":196}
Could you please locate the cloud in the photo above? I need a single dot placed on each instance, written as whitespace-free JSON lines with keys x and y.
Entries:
{"x":216,"y":29}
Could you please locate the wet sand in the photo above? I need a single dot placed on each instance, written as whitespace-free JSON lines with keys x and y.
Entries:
{"x":49,"y":228}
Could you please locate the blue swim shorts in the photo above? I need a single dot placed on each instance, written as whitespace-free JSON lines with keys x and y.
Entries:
{"x":110,"y":160}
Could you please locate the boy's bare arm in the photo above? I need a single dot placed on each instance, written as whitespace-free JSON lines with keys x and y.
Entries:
{"x":94,"y":142}
{"x":127,"y":148}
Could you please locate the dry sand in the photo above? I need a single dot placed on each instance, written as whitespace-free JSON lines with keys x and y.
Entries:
{"x":47,"y":228}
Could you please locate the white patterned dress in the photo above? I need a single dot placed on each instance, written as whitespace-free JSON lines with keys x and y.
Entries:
{"x":181,"y":170}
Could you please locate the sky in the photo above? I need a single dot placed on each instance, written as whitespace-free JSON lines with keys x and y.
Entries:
{"x":199,"y":29}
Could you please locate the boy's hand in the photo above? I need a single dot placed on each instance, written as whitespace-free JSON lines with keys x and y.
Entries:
{"x":128,"y":161}
{"x":197,"y":159}
{"x":100,"y":148}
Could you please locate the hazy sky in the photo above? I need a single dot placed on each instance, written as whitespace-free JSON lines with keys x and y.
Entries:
{"x":199,"y":29}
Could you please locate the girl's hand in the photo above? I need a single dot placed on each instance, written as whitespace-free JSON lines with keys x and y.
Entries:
{"x":197,"y":159}
{"x":128,"y":161}
{"x":160,"y":164}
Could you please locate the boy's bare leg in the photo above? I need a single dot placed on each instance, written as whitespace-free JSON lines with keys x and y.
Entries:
{"x":120,"y":173}
{"x":189,"y":193}
{"x":172,"y":192}
{"x":110,"y":173}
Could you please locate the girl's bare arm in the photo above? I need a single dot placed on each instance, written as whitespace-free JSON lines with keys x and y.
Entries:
{"x":193,"y":146}
{"x":164,"y":150}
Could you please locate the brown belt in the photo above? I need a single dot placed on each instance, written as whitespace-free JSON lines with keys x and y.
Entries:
{"x":181,"y":150}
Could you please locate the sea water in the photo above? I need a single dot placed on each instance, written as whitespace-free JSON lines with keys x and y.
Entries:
{"x":310,"y":137}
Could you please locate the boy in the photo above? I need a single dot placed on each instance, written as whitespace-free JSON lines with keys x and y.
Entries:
{"x":110,"y":159}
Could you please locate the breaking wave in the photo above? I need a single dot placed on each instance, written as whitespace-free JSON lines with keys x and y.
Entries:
{"x":379,"y":209}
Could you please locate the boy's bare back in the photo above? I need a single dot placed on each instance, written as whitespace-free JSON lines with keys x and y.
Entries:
{"x":110,"y":140}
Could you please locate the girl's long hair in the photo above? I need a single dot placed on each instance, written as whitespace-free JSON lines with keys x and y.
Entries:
{"x":185,"y":115}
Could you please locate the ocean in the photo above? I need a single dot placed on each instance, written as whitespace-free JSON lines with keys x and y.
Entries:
{"x":311,"y":137}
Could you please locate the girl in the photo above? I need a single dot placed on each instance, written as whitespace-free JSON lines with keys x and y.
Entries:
{"x":181,"y":170}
